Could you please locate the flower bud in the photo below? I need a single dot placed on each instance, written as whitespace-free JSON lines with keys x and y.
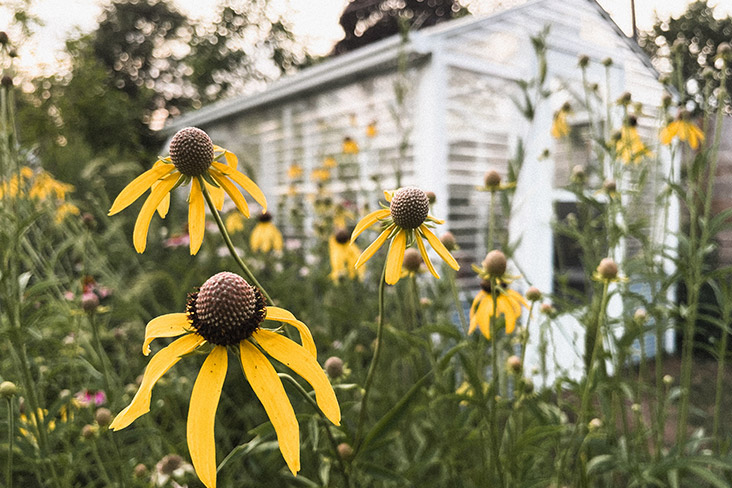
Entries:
{"x":640,"y":316}
{"x":583,"y":61}
{"x":4,"y":39}
{"x":595,"y":424}
{"x":103,"y":416}
{"x":412,"y":260}
{"x":547,"y":309}
{"x":334,"y":367}
{"x":578,"y":175}
{"x":345,"y":451}
{"x":8,"y":389}
{"x":610,"y":186}
{"x":88,"y":431}
{"x":624,"y":98}
{"x":6,"y":81}
{"x":668,"y":380}
{"x":724,"y":49}
{"x":431,"y":197}
{"x":140,"y":471}
{"x":495,"y":263}
{"x":448,"y":240}
{"x":533,"y":294}
{"x":607,"y":62}
{"x":492,"y":179}
{"x":89,"y":301}
{"x":514,"y":364}
{"x":607,"y":269}
{"x":636,"y":408}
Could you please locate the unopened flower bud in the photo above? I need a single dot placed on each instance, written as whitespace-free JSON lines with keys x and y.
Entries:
{"x":583,"y":61}
{"x":4,"y":39}
{"x":607,"y":269}
{"x":607,"y":62}
{"x":140,"y":471}
{"x":334,"y":367}
{"x":578,"y":175}
{"x":6,"y":81}
{"x":610,"y":186}
{"x":89,"y":301}
{"x":492,"y":179}
{"x":495,"y":263}
{"x":533,"y":294}
{"x":547,"y":309}
{"x":425,"y":302}
{"x":103,"y":416}
{"x":448,"y":240}
{"x":668,"y":380}
{"x":514,"y":364}
{"x":624,"y":98}
{"x":412,"y":260}
{"x":636,"y":408}
{"x":724,"y":49}
{"x":666,"y":100}
{"x":88,"y":431}
{"x":640,"y":316}
{"x":595,"y":424}
{"x":169,"y":464}
{"x":431,"y":196}
{"x":8,"y":389}
{"x":345,"y":451}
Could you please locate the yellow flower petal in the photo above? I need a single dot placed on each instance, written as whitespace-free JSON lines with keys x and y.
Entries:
{"x":426,"y":258}
{"x":233,"y":192}
{"x":243,"y":181}
{"x":202,"y":415}
{"x":160,"y":363}
{"x":395,"y":258}
{"x":281,"y":315}
{"x":368,"y":221}
{"x":371,"y":250}
{"x":196,"y":216}
{"x":301,"y":362}
{"x":268,"y":388}
{"x":439,"y":247}
{"x":217,"y":195}
{"x":138,"y":186}
{"x":164,"y":205}
{"x":169,"y":325}
{"x":142,"y":224}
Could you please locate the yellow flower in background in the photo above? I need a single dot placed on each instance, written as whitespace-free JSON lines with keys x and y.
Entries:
{"x":684,"y":129}
{"x":371,"y":130}
{"x":294,"y":171}
{"x":320,"y":175}
{"x":234,"y":223}
{"x":508,"y":304}
{"x":629,"y":147}
{"x":349,"y":146}
{"x":193,"y":158}
{"x":341,"y":217}
{"x":343,"y":257}
{"x":28,"y":427}
{"x":228,"y":311}
{"x":64,"y":210}
{"x":560,"y":127}
{"x":330,"y":162}
{"x":265,"y":236}
{"x":44,"y":186}
{"x":405,"y":221}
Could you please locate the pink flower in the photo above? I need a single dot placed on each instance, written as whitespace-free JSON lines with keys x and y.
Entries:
{"x":91,"y":398}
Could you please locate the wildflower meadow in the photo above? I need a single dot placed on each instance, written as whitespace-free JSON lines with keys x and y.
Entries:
{"x":166,"y":322}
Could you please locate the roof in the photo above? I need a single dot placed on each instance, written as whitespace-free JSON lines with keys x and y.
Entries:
{"x":350,"y":65}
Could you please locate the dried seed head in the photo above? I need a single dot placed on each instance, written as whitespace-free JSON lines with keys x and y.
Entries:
{"x":412,"y":260}
{"x":103,"y":416}
{"x":492,"y":179}
{"x":7,"y":81}
{"x":583,"y":61}
{"x":632,"y":121}
{"x":4,"y":39}
{"x":608,"y":269}
{"x":169,"y":464}
{"x":191,"y":151}
{"x":495,"y":263}
{"x":342,"y":236}
{"x":409,"y":207}
{"x":226,"y":309}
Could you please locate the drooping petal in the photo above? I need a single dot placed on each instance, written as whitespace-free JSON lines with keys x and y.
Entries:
{"x":202,"y":415}
{"x":243,"y":181}
{"x":164,"y":205}
{"x":368,"y":221}
{"x":233,"y":192}
{"x":217,"y":195}
{"x":439,"y":247}
{"x":268,"y":388}
{"x":160,"y":363}
{"x":196,"y":216}
{"x":138,"y":186}
{"x":395,"y":258}
{"x":667,"y":134}
{"x":142,"y":224}
{"x":281,"y":315}
{"x":426,"y":258}
{"x":371,"y":250}
{"x":485,"y":314}
{"x":169,"y":325}
{"x":301,"y":362}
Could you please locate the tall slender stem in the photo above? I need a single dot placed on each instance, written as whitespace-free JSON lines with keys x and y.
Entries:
{"x":11,"y":438}
{"x":374,"y":361}
{"x":451,"y":273}
{"x":230,"y":245}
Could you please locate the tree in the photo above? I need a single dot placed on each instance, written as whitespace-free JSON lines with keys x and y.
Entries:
{"x":686,"y":47}
{"x":367,"y":21}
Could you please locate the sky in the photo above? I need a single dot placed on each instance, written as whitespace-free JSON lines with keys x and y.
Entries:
{"x":316,"y":21}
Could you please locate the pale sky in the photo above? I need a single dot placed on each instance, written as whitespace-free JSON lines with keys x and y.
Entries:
{"x":315,"y":20}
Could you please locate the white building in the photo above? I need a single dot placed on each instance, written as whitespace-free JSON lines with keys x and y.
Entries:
{"x":458,"y":119}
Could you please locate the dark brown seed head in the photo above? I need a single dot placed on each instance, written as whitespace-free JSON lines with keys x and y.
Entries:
{"x":7,"y":81}
{"x":226,"y":309}
{"x":492,"y":179}
{"x":412,"y":260}
{"x":265,"y":217}
{"x":4,"y":37}
{"x":191,"y":151}
{"x":409,"y":207}
{"x":342,"y":236}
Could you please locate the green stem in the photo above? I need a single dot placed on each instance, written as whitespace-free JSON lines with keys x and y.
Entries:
{"x":584,"y":403}
{"x":492,"y":221}
{"x":325,"y":420}
{"x":372,"y":366}
{"x":229,"y":244}
{"x":11,"y":438}
{"x":495,"y":382}
{"x":101,"y":354}
{"x":722,"y":358}
{"x":102,"y":467}
{"x":451,"y":274}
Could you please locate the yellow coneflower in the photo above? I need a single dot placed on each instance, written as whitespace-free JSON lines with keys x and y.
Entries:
{"x":349,"y":146}
{"x":294,"y":171}
{"x":629,"y":147}
{"x":234,"y":223}
{"x":320,"y":175}
{"x":560,"y":127}
{"x":371,"y":130}
{"x":265,"y":236}
{"x":330,"y":162}
{"x":405,"y":221}
{"x":228,"y":311}
{"x":684,"y":129}
{"x":64,"y":210}
{"x":193,"y":158}
{"x":343,"y":257}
